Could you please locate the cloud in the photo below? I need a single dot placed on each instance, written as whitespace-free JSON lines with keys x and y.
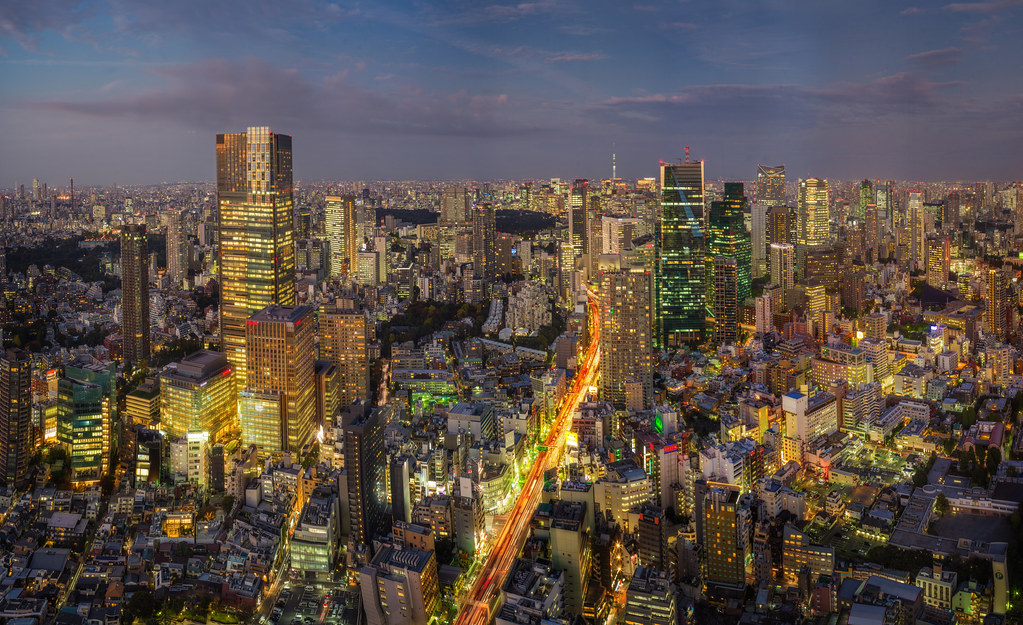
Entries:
{"x":937,"y":58}
{"x":498,"y":13}
{"x":786,"y":104}
{"x":983,"y":7}
{"x":24,"y":21}
{"x":547,"y":56}
{"x":218,"y":95}
{"x":678,"y":26}
{"x":581,"y":30}
{"x":566,"y":57}
{"x":911,"y":11}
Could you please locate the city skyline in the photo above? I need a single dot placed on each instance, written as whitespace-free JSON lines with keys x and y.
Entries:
{"x":514,"y":90}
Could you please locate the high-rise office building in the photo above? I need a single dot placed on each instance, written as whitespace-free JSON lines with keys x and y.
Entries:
{"x":256,"y":221}
{"x":872,"y":235}
{"x":197,"y":394}
{"x":939,"y":260}
{"x":363,"y":431}
{"x":729,"y":238}
{"x":813,"y":222}
{"x":277,"y":409}
{"x":135,"y":295}
{"x":578,"y":224}
{"x":726,"y":300}
{"x":86,"y":412}
{"x":758,"y":239}
{"x":455,"y":205}
{"x":725,"y":540}
{"x":770,"y":185}
{"x":681,"y":306}
{"x":343,"y":342}
{"x":15,"y":417}
{"x":341,"y":232}
{"x":916,"y":229}
{"x":484,"y":234}
{"x":780,"y":225}
{"x":866,"y":199}
{"x":783,"y":267}
{"x":996,"y":301}
{"x":177,"y":253}
{"x":626,"y":345}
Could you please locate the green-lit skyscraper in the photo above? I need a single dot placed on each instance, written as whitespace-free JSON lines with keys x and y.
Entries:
{"x":681,"y":251}
{"x":728,"y":237}
{"x":866,"y":199}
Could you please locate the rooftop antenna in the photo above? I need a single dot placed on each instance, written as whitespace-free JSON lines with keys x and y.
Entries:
{"x":687,"y":153}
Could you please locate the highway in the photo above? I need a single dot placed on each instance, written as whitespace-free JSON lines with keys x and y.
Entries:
{"x":484,"y":595}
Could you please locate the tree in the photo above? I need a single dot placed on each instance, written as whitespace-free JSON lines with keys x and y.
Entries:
{"x":994,"y":458}
{"x":227,"y":503}
{"x":141,"y":605}
{"x":941,"y":505}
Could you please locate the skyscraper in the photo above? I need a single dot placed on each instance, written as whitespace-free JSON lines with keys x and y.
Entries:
{"x":15,"y":417}
{"x":783,"y":265}
{"x":177,"y":254}
{"x":135,"y":295}
{"x":626,"y":346}
{"x":277,"y":409}
{"x":484,"y":234}
{"x":758,"y":239}
{"x":198,"y":394}
{"x":725,"y":537}
{"x":86,"y":412}
{"x":256,"y":217}
{"x":578,"y":219}
{"x":781,"y":225}
{"x":726,"y":301}
{"x":996,"y":300}
{"x":681,"y":306}
{"x":341,"y":232}
{"x":455,"y":205}
{"x":770,"y":185}
{"x":813,"y":223}
{"x":364,"y":465}
{"x":939,"y":260}
{"x":729,"y":238}
{"x":343,"y":339}
{"x":916,"y":229}
{"x":866,"y":199}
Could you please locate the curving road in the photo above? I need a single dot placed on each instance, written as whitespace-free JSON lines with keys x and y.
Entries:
{"x":483,"y":597}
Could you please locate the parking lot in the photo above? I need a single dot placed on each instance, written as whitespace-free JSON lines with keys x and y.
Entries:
{"x":314,"y":604}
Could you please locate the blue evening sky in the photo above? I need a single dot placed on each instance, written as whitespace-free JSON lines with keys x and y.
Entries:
{"x":125,"y":91}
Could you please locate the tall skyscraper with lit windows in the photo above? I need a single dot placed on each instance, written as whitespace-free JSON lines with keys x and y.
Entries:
{"x":915,"y":201}
{"x":343,"y":342}
{"x":726,"y":300}
{"x":342,"y":234}
{"x":15,"y":417}
{"x":277,"y":409}
{"x":813,"y":222}
{"x":729,"y":238}
{"x":177,"y":253}
{"x":770,"y":185}
{"x":578,"y":218}
{"x":256,"y":214}
{"x":626,"y":346}
{"x":135,"y":294}
{"x":681,"y":302}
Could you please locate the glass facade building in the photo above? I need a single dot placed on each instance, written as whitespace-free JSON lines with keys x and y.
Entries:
{"x":134,"y":294}
{"x":681,"y":256}
{"x":198,"y":395}
{"x":256,"y":216}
